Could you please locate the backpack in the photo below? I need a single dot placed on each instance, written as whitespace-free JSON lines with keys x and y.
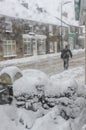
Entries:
{"x":65,"y":54}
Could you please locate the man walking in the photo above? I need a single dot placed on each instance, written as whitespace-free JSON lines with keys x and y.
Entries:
{"x":65,"y":54}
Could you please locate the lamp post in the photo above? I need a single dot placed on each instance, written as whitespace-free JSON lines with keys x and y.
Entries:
{"x":62,"y":4}
{"x":61,"y":45}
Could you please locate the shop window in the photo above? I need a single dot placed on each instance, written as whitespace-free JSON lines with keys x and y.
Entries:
{"x":41,"y":46}
{"x":9,"y":48}
{"x":34,"y":44}
{"x":27,"y":46}
{"x":51,"y":47}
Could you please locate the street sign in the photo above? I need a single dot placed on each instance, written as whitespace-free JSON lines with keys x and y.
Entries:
{"x":73,"y":35}
{"x":77,"y":9}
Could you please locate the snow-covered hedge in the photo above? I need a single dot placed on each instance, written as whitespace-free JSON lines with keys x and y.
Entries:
{"x":38,"y":94}
{"x":31,"y":83}
{"x":35,"y":89}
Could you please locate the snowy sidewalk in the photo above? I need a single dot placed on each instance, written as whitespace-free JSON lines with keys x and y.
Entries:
{"x":74,"y":73}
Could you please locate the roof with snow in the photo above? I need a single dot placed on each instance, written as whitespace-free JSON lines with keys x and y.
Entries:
{"x":16,"y":10}
{"x":34,"y":12}
{"x":13,"y":10}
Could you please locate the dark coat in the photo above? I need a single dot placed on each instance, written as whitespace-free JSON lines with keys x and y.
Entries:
{"x":66,"y":53}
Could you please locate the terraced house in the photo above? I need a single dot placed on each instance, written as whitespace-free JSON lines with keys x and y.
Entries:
{"x":25,"y":32}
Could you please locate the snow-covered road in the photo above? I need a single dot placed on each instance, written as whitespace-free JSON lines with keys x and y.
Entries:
{"x":53,"y":64}
{"x":50,"y":64}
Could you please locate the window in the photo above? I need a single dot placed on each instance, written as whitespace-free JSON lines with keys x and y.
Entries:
{"x":51,"y":28}
{"x":34,"y":44}
{"x":9,"y":48}
{"x":27,"y":46}
{"x":8,"y":26}
{"x":51,"y":47}
{"x":30,"y":28}
{"x":41,"y":46}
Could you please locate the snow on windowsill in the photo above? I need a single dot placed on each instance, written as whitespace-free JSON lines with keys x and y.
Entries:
{"x":10,"y":55}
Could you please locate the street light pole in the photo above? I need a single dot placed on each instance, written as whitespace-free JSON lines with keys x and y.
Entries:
{"x":61,"y":45}
{"x":62,"y":4}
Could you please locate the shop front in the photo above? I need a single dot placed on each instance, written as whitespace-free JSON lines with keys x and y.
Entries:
{"x":52,"y":47}
{"x":41,"y":44}
{"x":34,"y":44}
{"x":71,"y":40}
{"x":53,"y":44}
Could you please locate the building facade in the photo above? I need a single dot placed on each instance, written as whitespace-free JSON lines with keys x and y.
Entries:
{"x":22,"y":38}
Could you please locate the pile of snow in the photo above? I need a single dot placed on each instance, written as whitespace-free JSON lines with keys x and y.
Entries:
{"x":6,"y":122}
{"x":58,"y":88}
{"x":30,"y":82}
{"x":35,"y":89}
{"x":48,"y":103}
{"x":24,"y":119}
{"x":69,"y":95}
{"x":78,"y":51}
{"x":51,"y":121}
{"x":74,"y":73}
{"x":13,"y":118}
{"x":54,"y":86}
{"x":29,"y":89}
{"x":28,"y":118}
